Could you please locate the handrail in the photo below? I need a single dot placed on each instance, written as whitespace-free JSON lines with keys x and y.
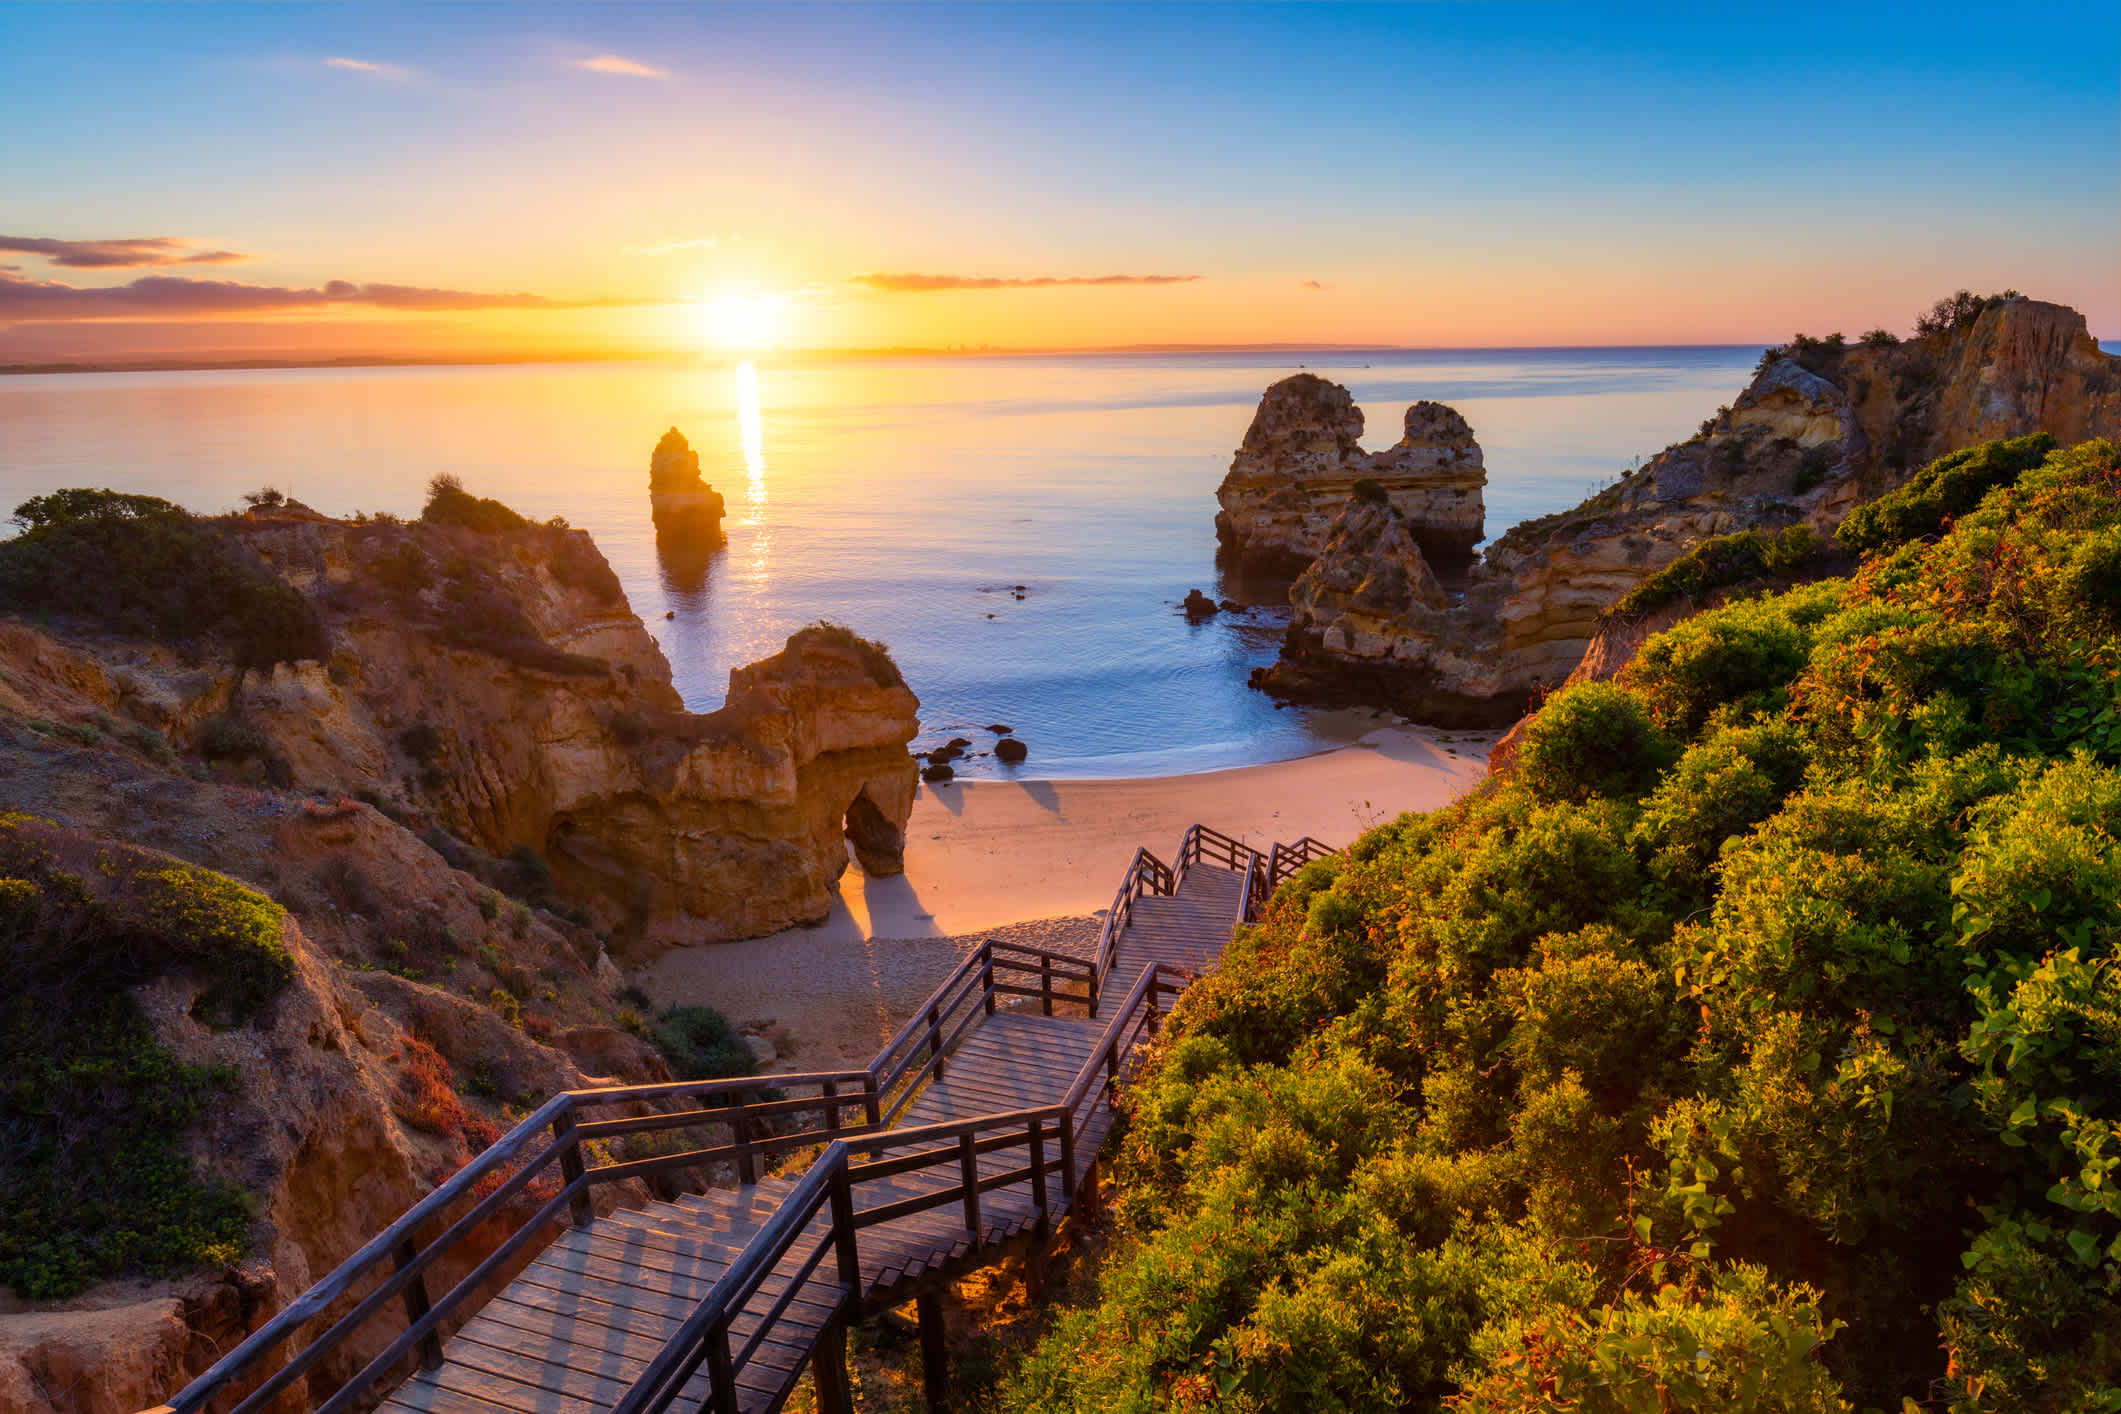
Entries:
{"x":879,"y":1093}
{"x":1146,"y":874}
{"x":1288,"y":858}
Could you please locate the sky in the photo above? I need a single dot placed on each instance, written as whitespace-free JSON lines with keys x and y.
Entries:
{"x":466,"y":180}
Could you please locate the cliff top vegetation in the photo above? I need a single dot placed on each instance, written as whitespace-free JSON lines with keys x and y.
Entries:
{"x":1756,"y":1045}
{"x":93,"y":1111}
{"x":140,"y":565}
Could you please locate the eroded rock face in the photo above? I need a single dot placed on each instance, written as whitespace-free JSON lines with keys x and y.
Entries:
{"x":687,"y":511}
{"x":1300,"y":461}
{"x":499,"y":685}
{"x":1801,"y":444}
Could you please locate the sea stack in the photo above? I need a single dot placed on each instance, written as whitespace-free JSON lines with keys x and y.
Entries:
{"x":1300,"y":462}
{"x":687,"y":511}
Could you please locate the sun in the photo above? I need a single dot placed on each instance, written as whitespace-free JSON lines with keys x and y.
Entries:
{"x":743,"y":322}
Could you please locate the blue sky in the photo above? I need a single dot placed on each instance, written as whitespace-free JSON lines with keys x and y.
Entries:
{"x":1367,"y":173}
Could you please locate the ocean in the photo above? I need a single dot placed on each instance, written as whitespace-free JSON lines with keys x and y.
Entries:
{"x":906,"y":497}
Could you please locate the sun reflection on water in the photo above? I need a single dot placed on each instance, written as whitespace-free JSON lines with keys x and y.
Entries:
{"x":752,"y":432}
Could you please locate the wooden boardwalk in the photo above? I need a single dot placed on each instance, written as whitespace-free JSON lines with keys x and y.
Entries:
{"x":594,"y":1312}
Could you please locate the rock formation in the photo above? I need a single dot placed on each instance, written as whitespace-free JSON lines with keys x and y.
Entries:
{"x":498,"y":686}
{"x":687,"y":511}
{"x":1822,"y":428}
{"x":1303,"y":455}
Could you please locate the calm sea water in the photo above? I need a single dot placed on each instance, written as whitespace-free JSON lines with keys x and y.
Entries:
{"x":903,"y":497}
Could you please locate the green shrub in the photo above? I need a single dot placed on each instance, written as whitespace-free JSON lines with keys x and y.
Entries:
{"x":700,"y":1044}
{"x":140,"y":565}
{"x":232,"y":739}
{"x":448,"y":503}
{"x":93,"y":1110}
{"x":1721,"y":561}
{"x":1595,"y":739}
{"x":1610,"y":1087}
{"x":1950,"y":486}
{"x":875,"y":656}
{"x":1368,"y":491}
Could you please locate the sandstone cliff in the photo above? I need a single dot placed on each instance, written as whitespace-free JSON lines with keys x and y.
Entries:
{"x":686,"y":510}
{"x":1300,"y":461}
{"x":345,"y":1097}
{"x":496,"y":684}
{"x":1822,"y":427}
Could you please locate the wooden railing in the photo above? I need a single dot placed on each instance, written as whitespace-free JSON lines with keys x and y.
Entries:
{"x":1288,"y":858}
{"x":1145,"y":875}
{"x":758,"y":1116}
{"x":706,"y":1340}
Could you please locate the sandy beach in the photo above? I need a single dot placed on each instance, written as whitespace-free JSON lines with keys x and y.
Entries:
{"x":1036,"y":862}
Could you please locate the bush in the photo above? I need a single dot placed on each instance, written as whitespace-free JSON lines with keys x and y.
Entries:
{"x":1721,"y":561}
{"x":1368,"y":491}
{"x":139,"y":565}
{"x":448,"y":503}
{"x":1950,"y":486}
{"x":1611,"y":1088}
{"x":875,"y":656}
{"x":1592,"y":740}
{"x":93,"y":1110}
{"x":700,"y":1044}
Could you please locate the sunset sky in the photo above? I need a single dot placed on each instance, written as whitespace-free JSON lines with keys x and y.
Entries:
{"x":251,"y":180}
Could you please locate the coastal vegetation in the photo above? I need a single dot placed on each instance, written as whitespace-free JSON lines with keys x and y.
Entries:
{"x":1752,"y":1046}
{"x":93,"y":1111}
{"x":140,"y":565}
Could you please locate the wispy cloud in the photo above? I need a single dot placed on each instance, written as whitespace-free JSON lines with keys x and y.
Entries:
{"x":673,"y":247}
{"x":1314,"y":284}
{"x":616,"y":64}
{"x":927,"y":284}
{"x":393,"y":72}
{"x":123,"y":254}
{"x":172,"y":296}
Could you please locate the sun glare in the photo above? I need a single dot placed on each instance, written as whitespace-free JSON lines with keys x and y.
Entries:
{"x":744,"y":321}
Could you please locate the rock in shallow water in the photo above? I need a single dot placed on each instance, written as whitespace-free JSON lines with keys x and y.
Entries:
{"x":1010,"y":750}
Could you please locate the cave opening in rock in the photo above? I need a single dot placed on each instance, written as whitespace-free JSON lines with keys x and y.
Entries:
{"x":879,"y":845}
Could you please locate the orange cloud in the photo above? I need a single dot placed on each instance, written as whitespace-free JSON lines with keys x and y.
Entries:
{"x":926,"y":284}
{"x":614,"y":64}
{"x":118,"y":254}
{"x":171,"y":296}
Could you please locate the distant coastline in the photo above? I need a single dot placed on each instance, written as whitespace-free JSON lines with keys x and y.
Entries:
{"x":499,"y":360}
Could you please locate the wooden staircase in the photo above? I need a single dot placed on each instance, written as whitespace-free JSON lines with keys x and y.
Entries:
{"x":970,"y":1136}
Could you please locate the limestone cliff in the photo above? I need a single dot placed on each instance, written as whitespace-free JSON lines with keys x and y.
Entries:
{"x":1300,"y":461}
{"x":339,"y":1102}
{"x":497,"y":685}
{"x":687,"y":511}
{"x":1822,"y":427}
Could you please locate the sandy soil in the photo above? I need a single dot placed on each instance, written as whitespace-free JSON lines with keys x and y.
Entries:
{"x":985,"y":856}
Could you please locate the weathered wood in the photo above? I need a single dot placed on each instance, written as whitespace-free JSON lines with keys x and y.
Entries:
{"x":719,"y":1300}
{"x":935,"y":1353}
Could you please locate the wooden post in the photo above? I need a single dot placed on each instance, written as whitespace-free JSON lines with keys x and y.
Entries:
{"x":571,"y":1167}
{"x":720,"y":1369}
{"x":968,"y":1166}
{"x":747,"y":1166}
{"x":935,"y":1357}
{"x":850,"y":1261}
{"x":832,"y":1104}
{"x":935,"y":1041}
{"x":416,"y":1307}
{"x":1045,"y":981}
{"x":1038,"y":1174}
{"x":986,"y":976}
{"x":828,"y":1367}
{"x":1067,"y":1127}
{"x":872,"y":1102}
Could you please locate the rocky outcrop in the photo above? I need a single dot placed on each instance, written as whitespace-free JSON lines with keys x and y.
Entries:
{"x":498,"y":686}
{"x":1300,"y":461}
{"x":687,"y":511}
{"x":1822,"y":428}
{"x":339,"y":1101}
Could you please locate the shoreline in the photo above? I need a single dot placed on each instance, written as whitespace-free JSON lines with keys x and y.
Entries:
{"x":1040,"y":859}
